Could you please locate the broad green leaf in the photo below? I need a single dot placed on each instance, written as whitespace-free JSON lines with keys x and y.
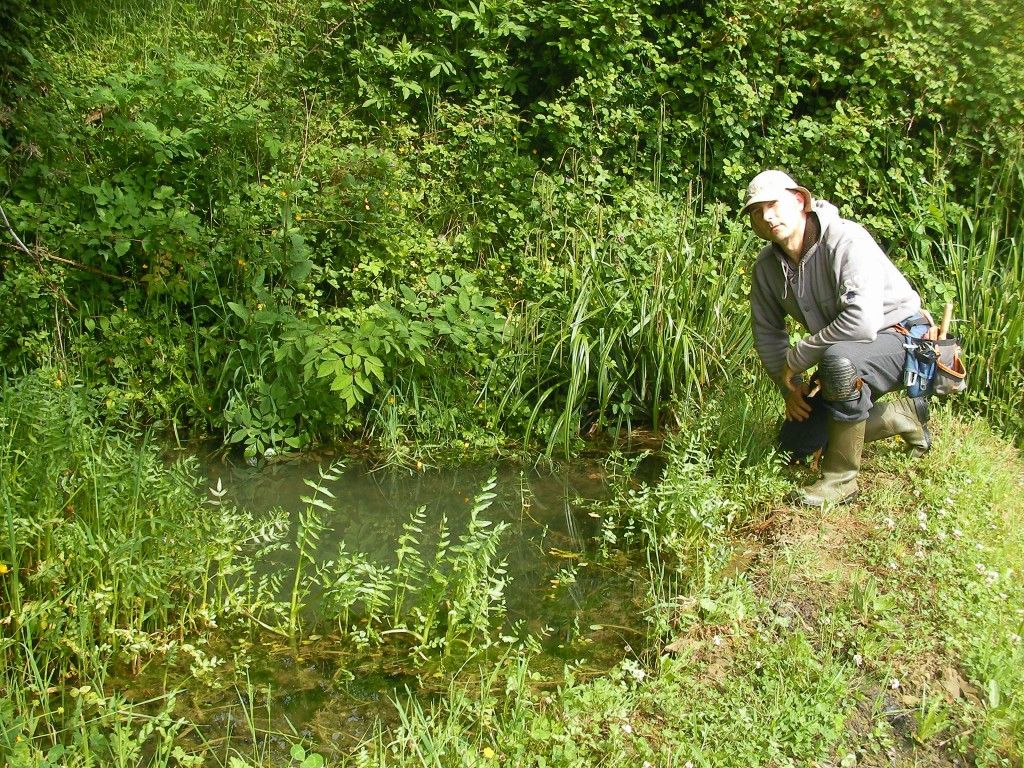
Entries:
{"x":239,"y":310}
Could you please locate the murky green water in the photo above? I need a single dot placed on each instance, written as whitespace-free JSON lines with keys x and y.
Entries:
{"x":579,"y":603}
{"x":553,"y":525}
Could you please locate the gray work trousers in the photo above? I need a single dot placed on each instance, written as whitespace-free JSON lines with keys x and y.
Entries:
{"x":879,"y":365}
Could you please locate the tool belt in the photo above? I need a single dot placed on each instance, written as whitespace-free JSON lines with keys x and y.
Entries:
{"x":932,"y":366}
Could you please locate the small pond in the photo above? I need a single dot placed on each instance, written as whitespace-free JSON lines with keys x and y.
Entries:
{"x":578,"y":602}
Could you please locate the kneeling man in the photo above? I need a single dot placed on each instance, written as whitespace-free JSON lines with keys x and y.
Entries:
{"x":831,"y":276}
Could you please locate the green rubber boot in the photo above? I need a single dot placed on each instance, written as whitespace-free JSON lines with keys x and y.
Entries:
{"x":906,"y":417}
{"x":839,"y":467}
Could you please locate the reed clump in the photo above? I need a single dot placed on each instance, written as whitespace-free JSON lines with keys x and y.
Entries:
{"x":640,"y":312}
{"x":973,"y":255}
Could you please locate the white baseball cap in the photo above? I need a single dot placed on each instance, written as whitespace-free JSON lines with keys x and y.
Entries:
{"x":768,"y":186}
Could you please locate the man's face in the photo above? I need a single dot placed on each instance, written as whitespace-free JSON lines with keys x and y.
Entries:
{"x":779,"y":220}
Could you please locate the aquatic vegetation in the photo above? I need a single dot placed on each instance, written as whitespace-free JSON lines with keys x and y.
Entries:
{"x":453,"y":600}
{"x":111,"y":562}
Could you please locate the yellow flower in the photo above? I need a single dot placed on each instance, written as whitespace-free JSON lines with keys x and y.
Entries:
{"x":4,"y":569}
{"x":298,"y":217}
{"x":488,"y":753}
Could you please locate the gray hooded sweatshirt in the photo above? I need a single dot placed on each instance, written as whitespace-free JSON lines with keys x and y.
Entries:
{"x":844,"y":289}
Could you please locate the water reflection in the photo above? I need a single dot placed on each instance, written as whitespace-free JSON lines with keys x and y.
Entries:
{"x":578,"y":604}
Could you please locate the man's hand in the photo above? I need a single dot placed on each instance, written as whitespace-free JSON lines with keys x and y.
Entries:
{"x":797,"y":407}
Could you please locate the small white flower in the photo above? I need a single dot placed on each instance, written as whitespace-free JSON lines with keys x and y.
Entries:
{"x":717,"y":640}
{"x":858,"y":660}
{"x":894,"y":684}
{"x":688,"y":764}
{"x":890,"y":523}
{"x":893,"y":566}
{"x":626,"y":727}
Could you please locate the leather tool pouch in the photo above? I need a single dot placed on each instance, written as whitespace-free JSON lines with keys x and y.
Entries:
{"x":932,"y":367}
{"x":950,"y":374}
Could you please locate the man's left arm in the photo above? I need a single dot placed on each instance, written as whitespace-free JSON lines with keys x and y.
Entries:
{"x":859,"y":266}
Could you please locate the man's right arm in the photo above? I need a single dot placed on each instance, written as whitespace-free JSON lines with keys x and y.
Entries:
{"x":768,"y":324}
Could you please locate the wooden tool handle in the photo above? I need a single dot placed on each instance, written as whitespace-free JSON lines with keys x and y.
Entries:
{"x":947,"y":315}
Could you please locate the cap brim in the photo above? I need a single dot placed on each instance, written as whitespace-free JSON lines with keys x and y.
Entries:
{"x":766,"y":198}
{"x":757,"y":201}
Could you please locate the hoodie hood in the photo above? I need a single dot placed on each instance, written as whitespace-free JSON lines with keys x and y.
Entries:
{"x":826,"y":214}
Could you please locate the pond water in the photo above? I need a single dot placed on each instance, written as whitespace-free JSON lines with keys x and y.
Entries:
{"x":575,"y":599}
{"x":553,"y":521}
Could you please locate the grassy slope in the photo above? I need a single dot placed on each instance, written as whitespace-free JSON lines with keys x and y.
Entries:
{"x":882,"y":633}
{"x":887,"y":631}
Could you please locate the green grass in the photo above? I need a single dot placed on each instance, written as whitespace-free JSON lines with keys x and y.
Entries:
{"x":636,"y":317}
{"x":863,"y":635}
{"x":973,"y":255}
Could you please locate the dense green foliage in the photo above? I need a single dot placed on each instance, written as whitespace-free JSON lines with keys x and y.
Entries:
{"x":473,"y":226}
{"x":435,"y":225}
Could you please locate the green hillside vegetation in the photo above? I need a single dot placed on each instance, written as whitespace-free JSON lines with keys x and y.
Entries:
{"x":449,"y":231}
{"x":476,"y":227}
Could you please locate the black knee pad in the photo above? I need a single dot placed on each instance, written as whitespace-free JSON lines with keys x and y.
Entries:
{"x":839,"y":381}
